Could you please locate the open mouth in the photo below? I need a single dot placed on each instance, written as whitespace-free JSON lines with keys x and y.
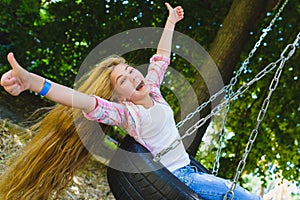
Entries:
{"x":140,"y":85}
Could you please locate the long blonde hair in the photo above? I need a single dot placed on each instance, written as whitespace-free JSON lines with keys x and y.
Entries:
{"x":49,"y":161}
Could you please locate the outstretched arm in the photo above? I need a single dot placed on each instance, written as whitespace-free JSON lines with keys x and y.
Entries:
{"x":18,"y":80}
{"x":175,"y":14}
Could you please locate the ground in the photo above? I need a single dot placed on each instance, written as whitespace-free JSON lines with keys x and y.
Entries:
{"x":90,"y":183}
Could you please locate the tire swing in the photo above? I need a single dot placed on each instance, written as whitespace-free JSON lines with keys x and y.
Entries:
{"x":145,"y":178}
{"x":142,"y":177}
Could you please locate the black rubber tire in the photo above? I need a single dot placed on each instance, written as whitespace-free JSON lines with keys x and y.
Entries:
{"x":154,"y":184}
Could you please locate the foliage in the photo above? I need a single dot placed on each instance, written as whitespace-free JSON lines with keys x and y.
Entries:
{"x":277,"y":143}
{"x":52,"y":38}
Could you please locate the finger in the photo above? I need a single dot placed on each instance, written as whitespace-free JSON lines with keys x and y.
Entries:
{"x":11,"y":89}
{"x":8,"y":82}
{"x":15,"y":90}
{"x":180,"y":12}
{"x":179,"y":9}
{"x":12,"y":61}
{"x":7,"y":79}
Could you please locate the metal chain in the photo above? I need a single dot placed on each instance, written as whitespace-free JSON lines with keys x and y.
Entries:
{"x":227,"y":87}
{"x":222,"y":134}
{"x":202,"y":106}
{"x":262,"y":112}
{"x":216,"y":110}
{"x":233,"y":81}
{"x":240,"y":91}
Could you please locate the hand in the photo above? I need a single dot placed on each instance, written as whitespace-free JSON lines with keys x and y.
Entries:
{"x":175,"y":14}
{"x":16,"y":80}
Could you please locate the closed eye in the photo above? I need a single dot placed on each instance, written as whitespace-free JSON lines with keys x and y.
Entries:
{"x":122,"y":81}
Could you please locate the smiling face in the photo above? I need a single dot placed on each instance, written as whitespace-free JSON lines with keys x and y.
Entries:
{"x":129,"y":84}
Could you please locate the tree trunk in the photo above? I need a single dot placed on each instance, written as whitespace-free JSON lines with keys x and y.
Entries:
{"x":244,"y":16}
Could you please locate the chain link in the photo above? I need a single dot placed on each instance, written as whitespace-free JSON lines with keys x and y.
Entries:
{"x":201,"y":107}
{"x":233,"y":82}
{"x":228,"y":89}
{"x":263,"y":111}
{"x":216,"y":165}
{"x":219,"y":107}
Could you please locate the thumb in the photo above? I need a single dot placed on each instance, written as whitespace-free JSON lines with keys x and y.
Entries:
{"x":13,"y":62}
{"x":169,"y":7}
{"x":17,"y":70}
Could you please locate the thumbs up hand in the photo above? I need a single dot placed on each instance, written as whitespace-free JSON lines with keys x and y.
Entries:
{"x":15,"y":80}
{"x":175,"y":14}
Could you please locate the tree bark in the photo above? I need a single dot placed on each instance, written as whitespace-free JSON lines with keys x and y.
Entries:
{"x":244,"y":16}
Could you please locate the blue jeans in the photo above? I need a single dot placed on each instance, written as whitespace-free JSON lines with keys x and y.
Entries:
{"x":210,"y":187}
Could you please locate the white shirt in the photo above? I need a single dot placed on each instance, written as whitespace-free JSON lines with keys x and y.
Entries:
{"x":158,"y":131}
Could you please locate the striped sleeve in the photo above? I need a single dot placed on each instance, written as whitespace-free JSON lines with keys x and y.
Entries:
{"x":157,"y":68}
{"x":107,"y":112}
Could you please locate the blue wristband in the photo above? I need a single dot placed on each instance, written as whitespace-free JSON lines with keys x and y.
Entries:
{"x":46,"y":88}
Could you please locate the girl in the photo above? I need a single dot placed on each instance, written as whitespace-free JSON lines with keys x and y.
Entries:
{"x":123,"y":97}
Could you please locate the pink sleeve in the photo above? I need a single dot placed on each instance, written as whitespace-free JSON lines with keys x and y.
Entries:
{"x":107,"y":112}
{"x":157,"y":69}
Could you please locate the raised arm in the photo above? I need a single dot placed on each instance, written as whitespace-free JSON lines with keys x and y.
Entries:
{"x":175,"y":14}
{"x":18,"y":80}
